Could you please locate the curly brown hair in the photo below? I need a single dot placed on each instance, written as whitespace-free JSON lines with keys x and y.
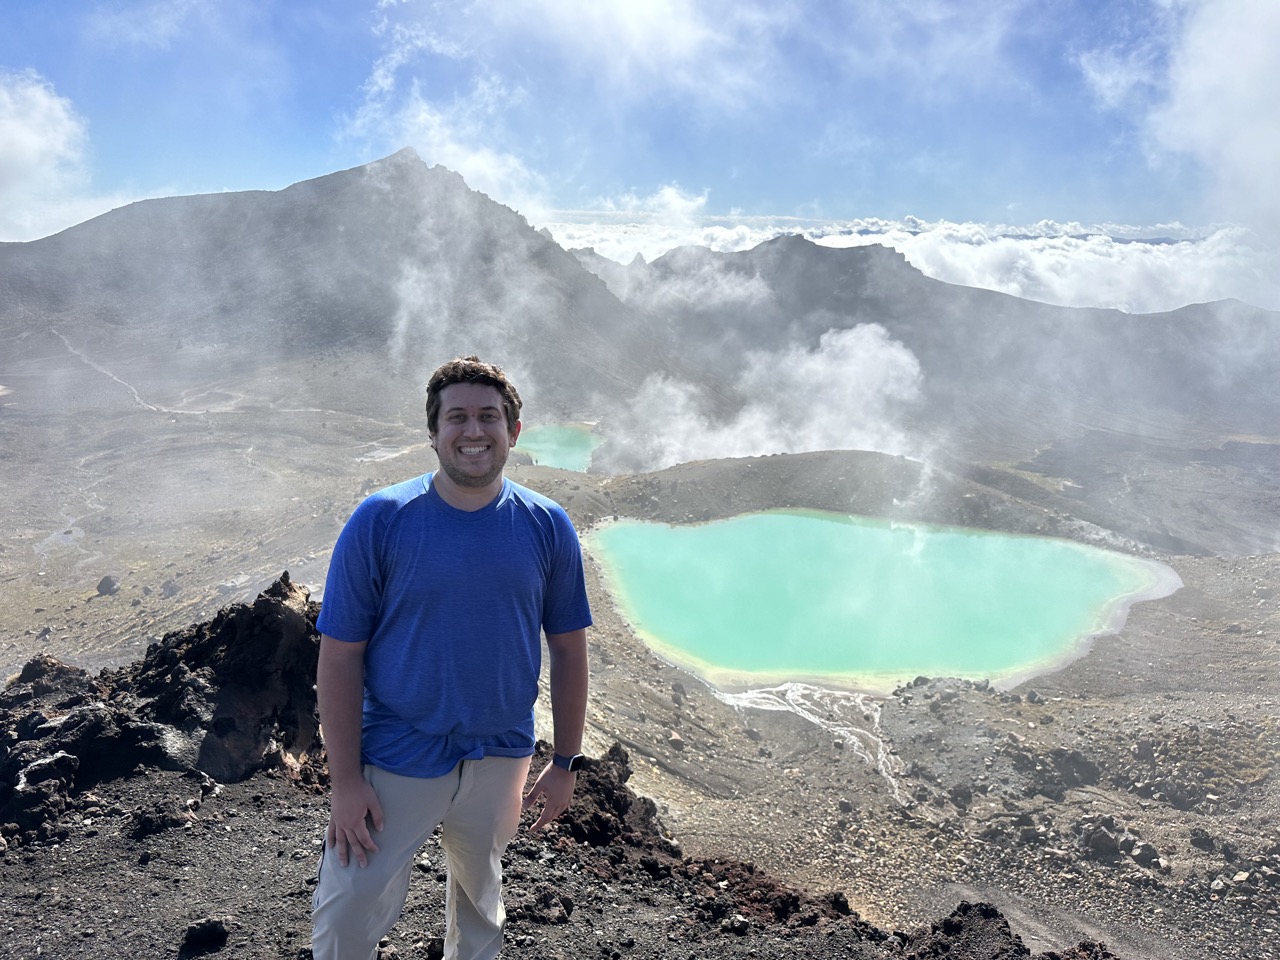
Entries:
{"x":471,"y":369}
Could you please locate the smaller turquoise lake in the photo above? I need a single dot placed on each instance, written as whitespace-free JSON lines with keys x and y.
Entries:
{"x":567,"y":446}
{"x":853,"y":601}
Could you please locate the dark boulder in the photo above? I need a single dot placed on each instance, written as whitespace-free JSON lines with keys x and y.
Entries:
{"x":226,"y":698}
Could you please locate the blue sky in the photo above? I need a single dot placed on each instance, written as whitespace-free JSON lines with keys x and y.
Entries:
{"x":1147,"y":117}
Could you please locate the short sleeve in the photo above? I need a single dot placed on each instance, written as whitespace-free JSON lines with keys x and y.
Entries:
{"x":353,"y":586}
{"x":565,"y":606}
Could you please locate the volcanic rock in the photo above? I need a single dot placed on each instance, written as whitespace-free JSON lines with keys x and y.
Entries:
{"x":224,"y":698}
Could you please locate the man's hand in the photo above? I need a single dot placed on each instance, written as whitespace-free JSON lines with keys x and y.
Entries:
{"x":568,"y":679}
{"x":351,"y":808}
{"x":555,"y":786}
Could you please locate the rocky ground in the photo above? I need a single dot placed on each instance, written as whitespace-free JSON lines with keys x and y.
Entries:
{"x":118,"y":841}
{"x":1128,"y":798}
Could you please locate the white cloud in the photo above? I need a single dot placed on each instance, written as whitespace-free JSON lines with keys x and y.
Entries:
{"x":1093,"y":268}
{"x":459,"y":134}
{"x":713,"y":50}
{"x":846,"y":394}
{"x":452,"y":135}
{"x":40,"y":130}
{"x":469,"y":115}
{"x":669,"y":204}
{"x":932,"y":49}
{"x":1127,"y":65}
{"x":1117,"y":77}
{"x":1221,"y":106}
{"x":621,"y":234}
{"x":42,"y":165}
{"x":405,"y":42}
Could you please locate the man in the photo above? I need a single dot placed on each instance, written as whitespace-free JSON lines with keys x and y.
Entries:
{"x":430,"y":652}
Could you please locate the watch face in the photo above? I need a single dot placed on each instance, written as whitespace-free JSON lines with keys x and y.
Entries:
{"x":572,"y":764}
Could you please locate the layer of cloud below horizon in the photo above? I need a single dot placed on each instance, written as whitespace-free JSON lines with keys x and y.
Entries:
{"x":1138,"y":270}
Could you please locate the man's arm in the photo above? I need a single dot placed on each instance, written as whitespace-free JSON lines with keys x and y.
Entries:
{"x":340,"y":696}
{"x":568,"y":716}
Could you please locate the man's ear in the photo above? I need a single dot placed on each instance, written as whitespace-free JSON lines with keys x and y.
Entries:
{"x":515,"y":432}
{"x":431,"y":439}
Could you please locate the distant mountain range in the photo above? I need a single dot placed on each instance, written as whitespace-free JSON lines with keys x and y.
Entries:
{"x":992,"y":364}
{"x":393,"y":260}
{"x":403,"y":262}
{"x":333,"y":299}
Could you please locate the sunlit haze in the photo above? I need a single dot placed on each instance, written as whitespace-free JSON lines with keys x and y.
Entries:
{"x":1082,"y":153}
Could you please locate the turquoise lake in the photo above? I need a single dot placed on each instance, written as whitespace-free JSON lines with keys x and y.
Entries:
{"x":854,"y":601}
{"x":567,"y":446}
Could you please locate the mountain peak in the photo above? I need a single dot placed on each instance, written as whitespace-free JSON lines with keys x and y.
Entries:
{"x":403,"y":155}
{"x":407,"y":164}
{"x":406,"y":159}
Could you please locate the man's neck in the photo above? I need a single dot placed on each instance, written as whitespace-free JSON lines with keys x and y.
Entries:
{"x":469,"y":499}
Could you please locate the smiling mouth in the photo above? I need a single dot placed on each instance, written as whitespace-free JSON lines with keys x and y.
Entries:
{"x":471,"y":449}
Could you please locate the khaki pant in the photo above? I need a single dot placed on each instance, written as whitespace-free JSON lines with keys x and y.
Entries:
{"x":477,"y":804}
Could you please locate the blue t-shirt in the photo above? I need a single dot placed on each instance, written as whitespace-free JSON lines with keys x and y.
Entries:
{"x":452,"y":603}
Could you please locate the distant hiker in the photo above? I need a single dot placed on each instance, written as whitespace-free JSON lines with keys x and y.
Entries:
{"x":438,"y":591}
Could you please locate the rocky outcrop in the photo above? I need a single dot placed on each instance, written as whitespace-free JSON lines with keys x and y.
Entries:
{"x":224,"y":699}
{"x":611,"y":839}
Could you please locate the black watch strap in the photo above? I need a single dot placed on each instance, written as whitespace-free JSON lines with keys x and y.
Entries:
{"x":572,"y":764}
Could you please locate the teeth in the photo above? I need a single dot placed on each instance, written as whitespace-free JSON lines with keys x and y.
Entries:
{"x":471,"y":450}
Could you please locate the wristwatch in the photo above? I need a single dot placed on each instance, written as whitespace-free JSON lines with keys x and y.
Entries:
{"x":572,"y":764}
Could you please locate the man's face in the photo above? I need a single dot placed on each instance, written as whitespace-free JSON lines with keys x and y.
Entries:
{"x":471,"y":439}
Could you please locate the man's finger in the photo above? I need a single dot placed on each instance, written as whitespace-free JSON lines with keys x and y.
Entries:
{"x":364,"y":845}
{"x":544,"y":819}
